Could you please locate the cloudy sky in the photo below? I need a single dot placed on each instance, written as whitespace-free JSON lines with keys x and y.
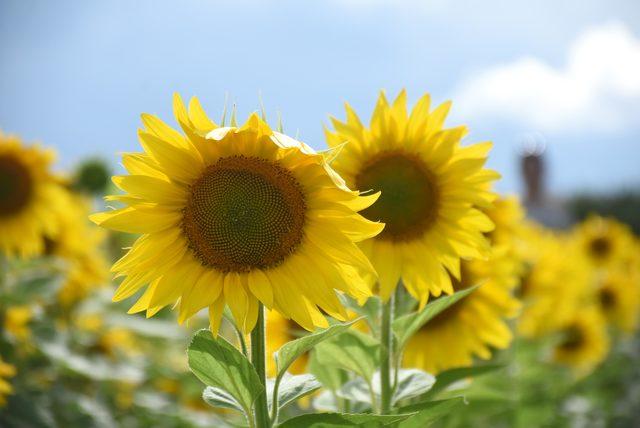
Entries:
{"x":76,"y":74}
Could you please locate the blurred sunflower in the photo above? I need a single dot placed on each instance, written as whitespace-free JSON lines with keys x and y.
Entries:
{"x":474,"y":325}
{"x":29,"y":194}
{"x":604,"y":241}
{"x":583,"y":341}
{"x":618,"y":295}
{"x":16,"y":321}
{"x":431,"y":191}
{"x":237,"y":216}
{"x":557,"y":282}
{"x":6,"y":371}
{"x":281,"y":331}
{"x":508,"y":216}
{"x":79,"y":244}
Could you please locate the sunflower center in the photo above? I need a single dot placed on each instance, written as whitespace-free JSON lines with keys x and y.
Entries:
{"x":16,"y":185}
{"x":607,"y":298}
{"x":244,"y":213}
{"x":409,"y":200}
{"x":600,"y":247}
{"x":573,"y":338}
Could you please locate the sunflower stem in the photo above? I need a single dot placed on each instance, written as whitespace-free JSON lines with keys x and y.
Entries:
{"x":258,"y":341}
{"x":386,"y":355}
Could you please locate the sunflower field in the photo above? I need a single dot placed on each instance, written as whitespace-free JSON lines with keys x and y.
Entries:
{"x":235,"y":277}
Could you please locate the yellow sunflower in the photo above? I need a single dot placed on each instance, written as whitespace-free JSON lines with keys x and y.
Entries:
{"x":604,"y":241}
{"x":583,"y":341}
{"x":29,"y":195}
{"x":79,"y":244}
{"x":431,"y":191}
{"x":16,"y":321}
{"x":618,"y":295}
{"x":556,"y":284}
{"x":475,"y":324}
{"x":508,"y":216}
{"x":6,"y":371}
{"x":281,"y":331}
{"x":237,"y":216}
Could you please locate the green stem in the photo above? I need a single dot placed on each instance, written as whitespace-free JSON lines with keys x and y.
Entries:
{"x":386,"y":355}
{"x":258,"y":341}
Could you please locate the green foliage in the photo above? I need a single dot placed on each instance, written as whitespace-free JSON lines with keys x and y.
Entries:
{"x":352,"y":351}
{"x":292,"y":388}
{"x":340,"y":420}
{"x":289,"y":352}
{"x":428,"y":412}
{"x":92,"y":177}
{"x":219,"y":364}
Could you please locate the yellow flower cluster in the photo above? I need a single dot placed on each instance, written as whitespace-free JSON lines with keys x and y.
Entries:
{"x":577,"y":284}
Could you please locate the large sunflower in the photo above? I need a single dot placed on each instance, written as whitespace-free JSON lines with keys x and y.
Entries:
{"x":583,"y":341}
{"x":431,"y":191}
{"x":29,"y":194}
{"x":237,"y":216}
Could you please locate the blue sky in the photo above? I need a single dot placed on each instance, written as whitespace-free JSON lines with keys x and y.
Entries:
{"x":77,"y":74}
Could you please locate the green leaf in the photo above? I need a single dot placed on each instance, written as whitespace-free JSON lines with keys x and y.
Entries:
{"x":405,"y":326}
{"x":289,"y":352}
{"x":330,"y":377}
{"x":353,"y":351}
{"x":428,"y":412}
{"x":451,"y":376}
{"x":219,"y":364}
{"x":340,"y":420}
{"x":292,"y":388}
{"x":411,"y":383}
{"x":217,"y":397}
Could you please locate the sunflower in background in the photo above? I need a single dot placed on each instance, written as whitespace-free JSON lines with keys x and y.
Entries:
{"x":29,"y":197}
{"x":583,"y":341}
{"x":604,"y":241}
{"x":6,"y":371}
{"x":618,"y":296}
{"x":237,"y":216}
{"x":16,"y":321}
{"x":281,"y":331}
{"x":476,"y":324}
{"x":432,"y":189}
{"x":557,"y":282}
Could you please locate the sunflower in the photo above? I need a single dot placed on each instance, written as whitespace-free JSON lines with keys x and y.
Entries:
{"x":474,"y":325}
{"x":16,"y":321}
{"x":508,"y":216}
{"x":6,"y":371}
{"x":583,"y":341}
{"x":557,"y":282}
{"x":281,"y":331}
{"x":604,"y":241}
{"x":29,"y":194}
{"x":79,"y":244}
{"x":431,"y":191}
{"x":618,"y":295}
{"x":237,"y":216}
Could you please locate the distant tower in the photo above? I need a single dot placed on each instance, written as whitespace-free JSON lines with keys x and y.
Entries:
{"x":540,"y":205}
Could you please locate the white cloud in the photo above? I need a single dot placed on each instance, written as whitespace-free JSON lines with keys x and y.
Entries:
{"x":598,"y":89}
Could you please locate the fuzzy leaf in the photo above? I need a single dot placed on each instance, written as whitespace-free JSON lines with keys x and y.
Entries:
{"x":219,"y":364}
{"x":289,"y":352}
{"x":352,"y":351}
{"x":339,"y":420}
